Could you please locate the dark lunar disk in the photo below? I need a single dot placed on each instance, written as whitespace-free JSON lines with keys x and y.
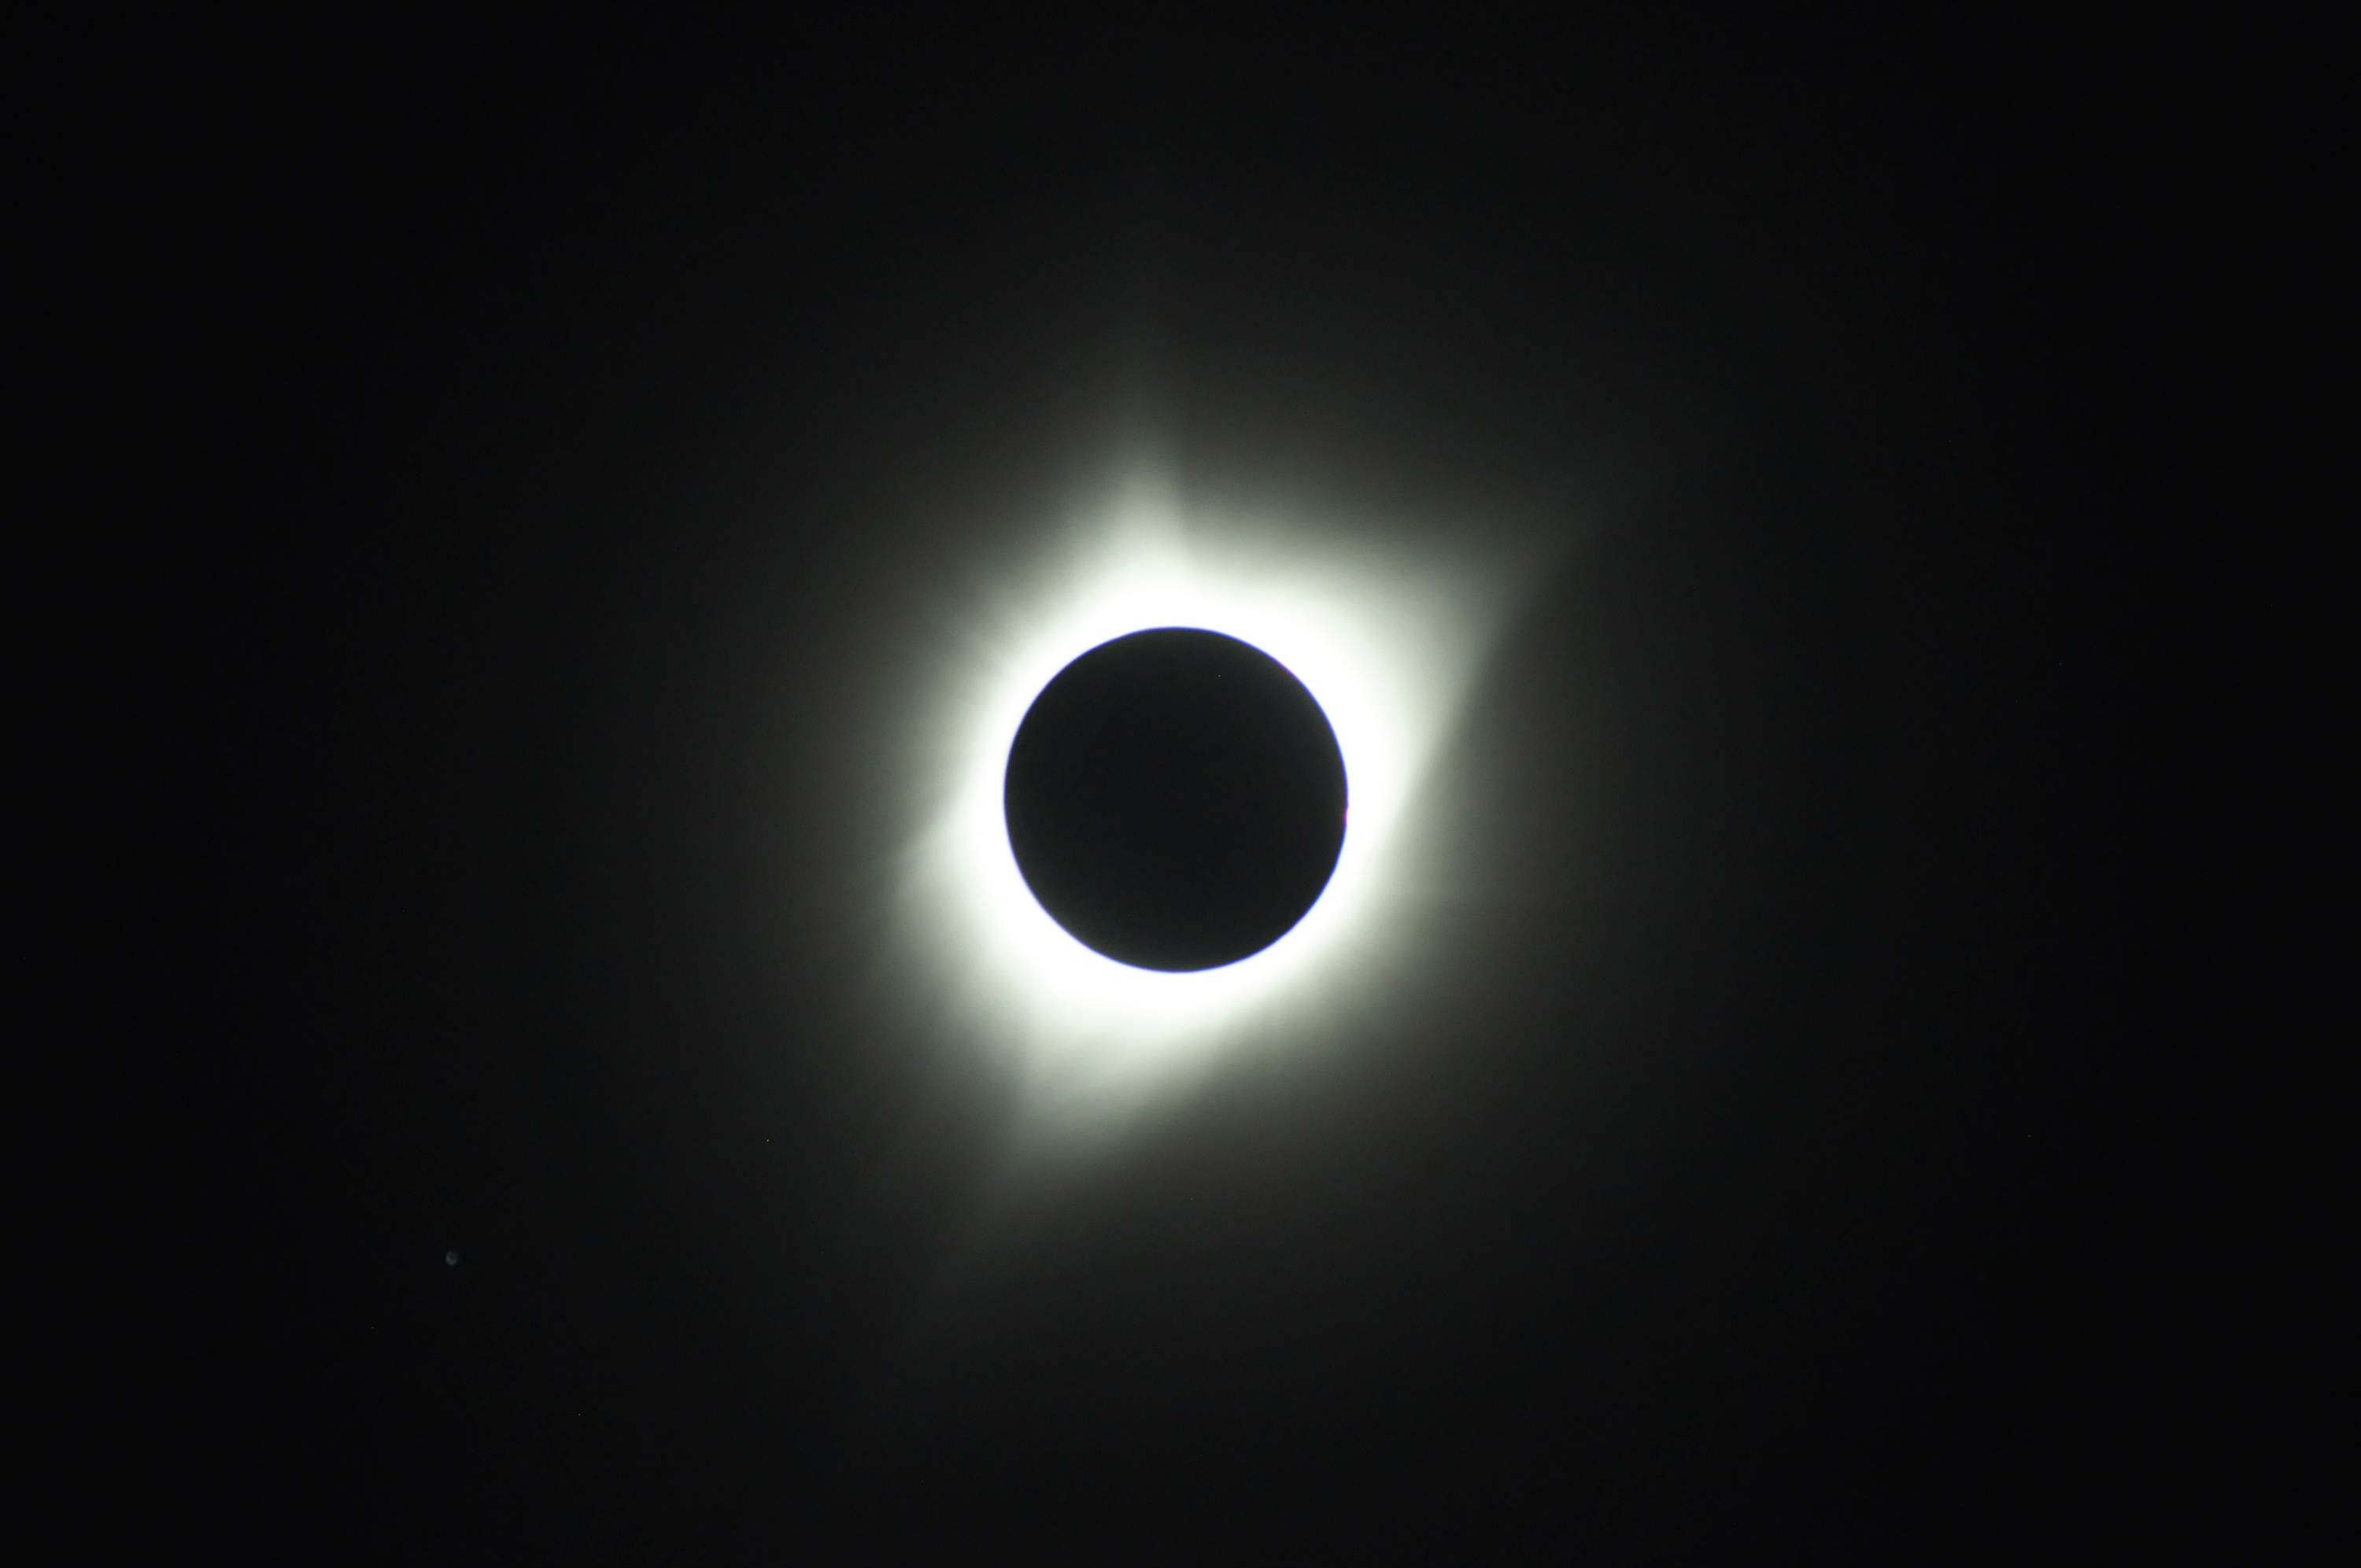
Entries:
{"x":1176,"y":799}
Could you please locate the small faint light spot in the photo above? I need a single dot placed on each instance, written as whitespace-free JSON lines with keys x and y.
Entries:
{"x":452,"y":1258}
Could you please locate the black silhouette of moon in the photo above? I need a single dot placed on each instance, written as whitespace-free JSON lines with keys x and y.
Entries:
{"x":1176,"y":799}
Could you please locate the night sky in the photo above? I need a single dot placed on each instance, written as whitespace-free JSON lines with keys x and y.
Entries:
{"x":545,"y":477}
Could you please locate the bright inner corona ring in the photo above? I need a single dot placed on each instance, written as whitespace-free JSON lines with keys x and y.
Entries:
{"x":1383,"y":639}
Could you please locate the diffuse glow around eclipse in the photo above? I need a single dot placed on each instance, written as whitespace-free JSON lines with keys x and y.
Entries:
{"x":1384,"y":633}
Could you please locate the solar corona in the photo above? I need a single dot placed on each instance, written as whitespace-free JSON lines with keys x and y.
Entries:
{"x":1169,"y":760}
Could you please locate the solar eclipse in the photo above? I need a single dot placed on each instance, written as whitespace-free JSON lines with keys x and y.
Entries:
{"x":1097,"y":942}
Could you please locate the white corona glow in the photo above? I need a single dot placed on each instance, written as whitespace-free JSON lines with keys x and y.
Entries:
{"x":1383,"y":640}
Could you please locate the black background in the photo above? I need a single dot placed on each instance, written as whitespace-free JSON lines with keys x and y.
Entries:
{"x":529,"y":466}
